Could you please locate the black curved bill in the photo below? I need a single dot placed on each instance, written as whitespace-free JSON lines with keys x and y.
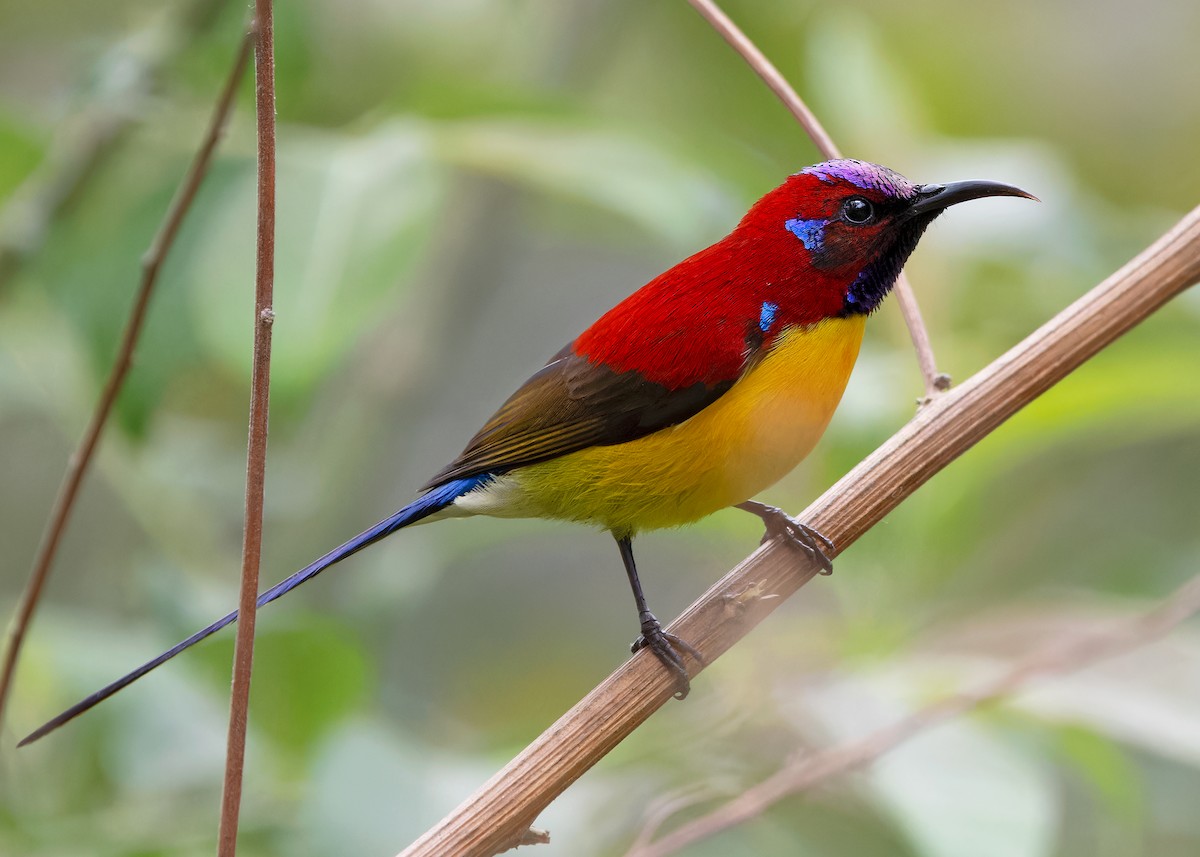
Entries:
{"x":932,"y":198}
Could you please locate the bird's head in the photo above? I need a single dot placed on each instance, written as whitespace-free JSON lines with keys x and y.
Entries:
{"x":854,"y":224}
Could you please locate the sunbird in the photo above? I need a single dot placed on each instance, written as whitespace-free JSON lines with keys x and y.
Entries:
{"x":698,"y":391}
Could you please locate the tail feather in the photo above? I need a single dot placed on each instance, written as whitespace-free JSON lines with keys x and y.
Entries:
{"x":427,"y":504}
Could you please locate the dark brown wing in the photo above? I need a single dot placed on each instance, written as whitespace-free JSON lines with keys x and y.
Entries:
{"x":572,"y":404}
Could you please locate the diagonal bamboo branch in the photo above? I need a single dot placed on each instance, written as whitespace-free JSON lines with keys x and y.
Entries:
{"x":1073,"y":652}
{"x":935,"y":382}
{"x":508,"y":803}
{"x":77,"y":466}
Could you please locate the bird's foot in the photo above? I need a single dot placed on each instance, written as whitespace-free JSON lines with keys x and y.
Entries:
{"x":781,"y":525}
{"x":666,"y":648}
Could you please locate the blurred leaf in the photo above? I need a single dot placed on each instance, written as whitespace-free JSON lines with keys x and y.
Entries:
{"x":960,"y":788}
{"x":682,"y":204}
{"x":861,"y":93}
{"x":20,"y":151}
{"x":1097,"y":403}
{"x":1106,"y":767}
{"x":1149,"y":698}
{"x":368,"y":794}
{"x":308,"y":676}
{"x":355,"y":216}
{"x":89,"y":266}
{"x":160,"y":736}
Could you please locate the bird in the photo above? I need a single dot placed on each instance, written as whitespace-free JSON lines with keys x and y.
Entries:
{"x":698,"y":391}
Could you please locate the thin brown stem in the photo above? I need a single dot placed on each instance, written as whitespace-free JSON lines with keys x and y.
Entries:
{"x":935,"y":381}
{"x":256,"y":453}
{"x":1069,"y":654}
{"x":80,"y":461}
{"x":765,"y":69}
{"x":941,"y":432}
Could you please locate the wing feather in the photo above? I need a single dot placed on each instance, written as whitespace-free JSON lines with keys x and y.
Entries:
{"x":569,"y":405}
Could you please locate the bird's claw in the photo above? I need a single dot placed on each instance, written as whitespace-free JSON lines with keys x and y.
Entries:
{"x":781,"y":525}
{"x":666,"y":648}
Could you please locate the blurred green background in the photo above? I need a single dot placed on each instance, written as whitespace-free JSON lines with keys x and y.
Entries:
{"x":463,"y":186}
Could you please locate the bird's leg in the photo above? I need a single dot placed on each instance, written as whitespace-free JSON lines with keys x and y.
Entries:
{"x":782,"y":525}
{"x":665,"y":646}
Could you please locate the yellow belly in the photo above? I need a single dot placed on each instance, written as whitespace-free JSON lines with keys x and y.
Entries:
{"x":741,"y":444}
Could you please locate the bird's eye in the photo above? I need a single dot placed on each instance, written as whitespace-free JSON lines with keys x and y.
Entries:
{"x":858,"y":210}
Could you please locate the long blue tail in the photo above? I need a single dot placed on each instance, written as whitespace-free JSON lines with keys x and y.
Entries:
{"x":424,"y":506}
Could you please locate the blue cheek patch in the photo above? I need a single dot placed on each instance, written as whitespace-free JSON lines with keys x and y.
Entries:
{"x":810,"y":232}
{"x":766,"y":316}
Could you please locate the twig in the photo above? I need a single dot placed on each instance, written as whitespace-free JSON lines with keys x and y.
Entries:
{"x":1066,"y":655}
{"x":942,"y":431}
{"x":660,"y":811}
{"x":934,"y":381}
{"x":80,"y":461}
{"x":532,"y":836}
{"x":256,"y":453}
